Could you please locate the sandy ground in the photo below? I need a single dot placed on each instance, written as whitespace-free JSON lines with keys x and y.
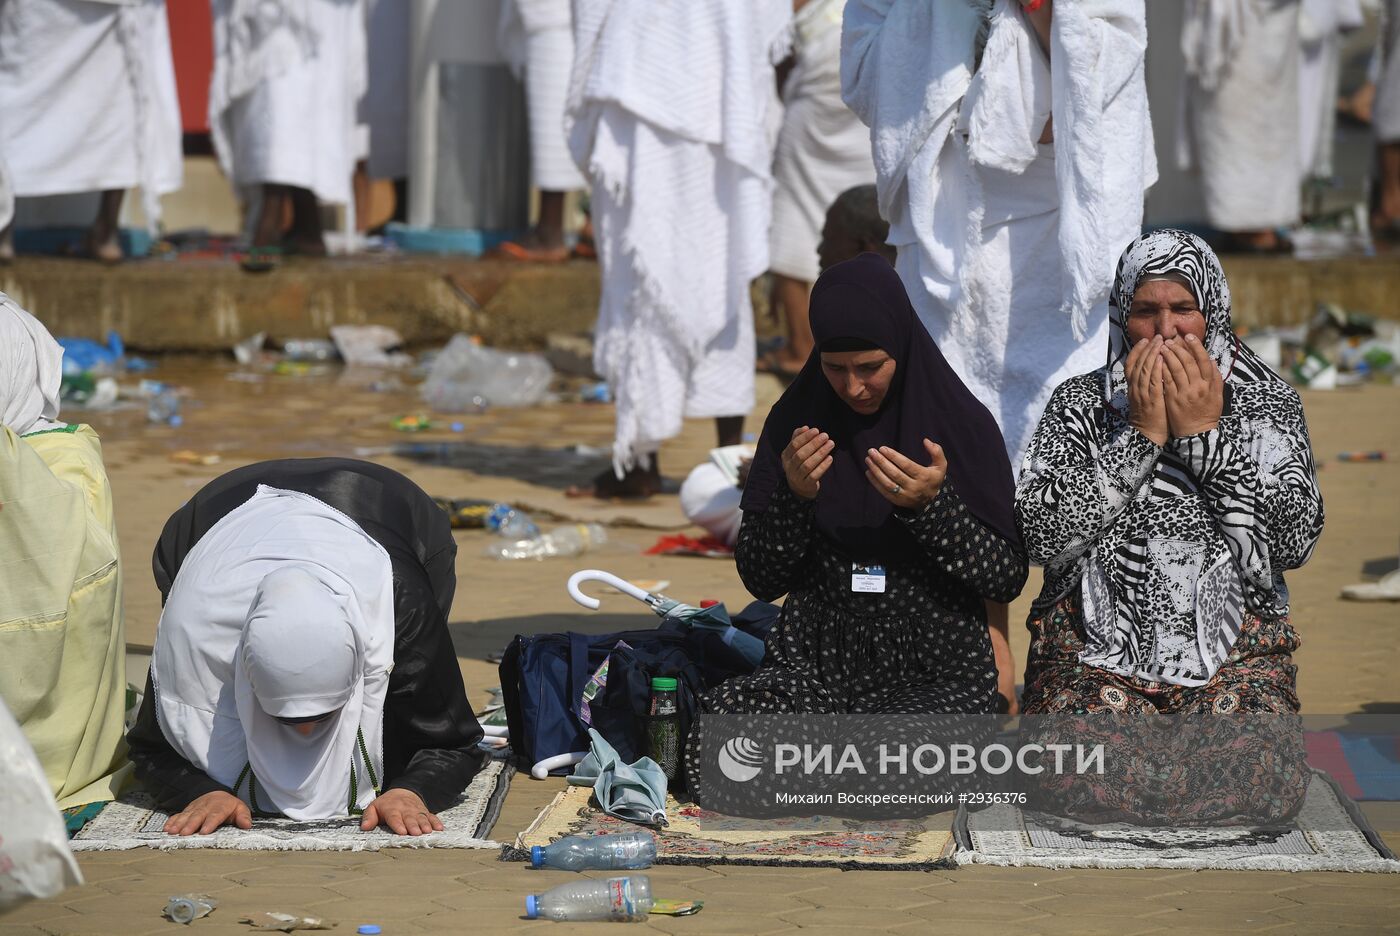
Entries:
{"x":1348,"y":663}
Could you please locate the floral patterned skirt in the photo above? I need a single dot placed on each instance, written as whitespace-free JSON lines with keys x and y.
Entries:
{"x":1202,"y":769}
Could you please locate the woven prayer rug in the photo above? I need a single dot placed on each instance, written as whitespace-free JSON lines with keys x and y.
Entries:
{"x":698,"y":836}
{"x":1329,"y":834}
{"x":135,"y":822}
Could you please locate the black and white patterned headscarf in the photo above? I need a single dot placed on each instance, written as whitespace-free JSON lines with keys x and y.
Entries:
{"x":1180,"y":255}
{"x":1169,"y":548}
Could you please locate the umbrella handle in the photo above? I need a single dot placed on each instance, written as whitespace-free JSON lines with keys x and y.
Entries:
{"x":607,"y":578}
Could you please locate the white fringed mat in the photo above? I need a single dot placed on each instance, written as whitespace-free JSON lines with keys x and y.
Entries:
{"x":135,"y":822}
{"x":1329,"y":834}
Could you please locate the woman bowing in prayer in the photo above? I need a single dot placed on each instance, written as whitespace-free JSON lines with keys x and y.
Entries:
{"x":880,"y":503}
{"x":303,"y":666}
{"x":1166,"y":493}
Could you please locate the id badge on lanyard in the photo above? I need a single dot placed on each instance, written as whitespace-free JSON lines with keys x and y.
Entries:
{"x":868,"y":578}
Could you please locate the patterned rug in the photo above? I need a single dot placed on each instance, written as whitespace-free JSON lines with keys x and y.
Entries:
{"x":698,"y":836}
{"x":135,"y":822}
{"x":1329,"y":834}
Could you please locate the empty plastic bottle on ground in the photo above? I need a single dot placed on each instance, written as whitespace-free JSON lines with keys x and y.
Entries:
{"x":164,"y":406}
{"x":466,"y":377}
{"x":619,"y":898}
{"x":561,"y":541}
{"x":627,"y":852}
{"x":504,"y":520}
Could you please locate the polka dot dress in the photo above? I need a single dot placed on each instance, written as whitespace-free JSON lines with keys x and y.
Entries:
{"x":920,"y":647}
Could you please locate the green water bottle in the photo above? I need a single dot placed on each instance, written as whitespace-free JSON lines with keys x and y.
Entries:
{"x":664,"y":728}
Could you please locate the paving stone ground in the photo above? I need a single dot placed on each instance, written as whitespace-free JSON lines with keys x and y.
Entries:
{"x":1348,"y":664}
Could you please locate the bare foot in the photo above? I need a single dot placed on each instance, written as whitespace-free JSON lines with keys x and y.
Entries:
{"x":636,"y":484}
{"x":102,"y":246}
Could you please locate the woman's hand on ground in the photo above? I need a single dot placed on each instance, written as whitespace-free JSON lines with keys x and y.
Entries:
{"x":208,"y":813}
{"x":903,"y":481}
{"x":806,"y":459}
{"x":1195,"y":391}
{"x":403,"y":812}
{"x":1147,"y":408}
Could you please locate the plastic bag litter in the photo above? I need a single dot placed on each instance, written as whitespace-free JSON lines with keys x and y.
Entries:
{"x":35,"y":860}
{"x":274,"y":921}
{"x":370,"y":345}
{"x":467,"y":377}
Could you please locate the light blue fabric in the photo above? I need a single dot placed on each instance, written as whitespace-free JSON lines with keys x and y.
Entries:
{"x":634,"y":792}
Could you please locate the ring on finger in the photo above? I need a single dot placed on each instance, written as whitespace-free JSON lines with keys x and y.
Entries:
{"x":896,"y":489}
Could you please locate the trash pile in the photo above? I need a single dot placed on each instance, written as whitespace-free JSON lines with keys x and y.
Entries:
{"x":1338,"y":348}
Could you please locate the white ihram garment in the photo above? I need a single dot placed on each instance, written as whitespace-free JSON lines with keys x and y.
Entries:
{"x":1007,"y":247}
{"x":88,"y":100}
{"x":823,"y":148}
{"x":666,"y":118}
{"x":284,"y":96}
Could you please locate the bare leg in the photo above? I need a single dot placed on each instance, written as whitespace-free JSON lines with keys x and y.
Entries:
{"x":305,"y":237}
{"x":102,"y":242}
{"x":545,"y":243}
{"x":7,"y":243}
{"x":550,"y":230}
{"x":729,"y":429}
{"x":794,"y":296}
{"x":276,"y":202}
{"x":1387,"y":213}
{"x":998,"y":616}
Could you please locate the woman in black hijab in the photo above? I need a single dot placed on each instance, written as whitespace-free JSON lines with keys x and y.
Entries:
{"x":880,"y":502}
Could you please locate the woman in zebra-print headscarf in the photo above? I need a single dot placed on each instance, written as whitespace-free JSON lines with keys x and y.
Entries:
{"x":1166,"y":493}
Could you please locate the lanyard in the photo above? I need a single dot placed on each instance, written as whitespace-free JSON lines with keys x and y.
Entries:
{"x":352,"y":808}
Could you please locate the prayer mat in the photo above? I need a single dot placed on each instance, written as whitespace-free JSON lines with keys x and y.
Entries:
{"x":1329,"y":834}
{"x":134,"y":822}
{"x":1365,"y":766}
{"x":698,"y":836}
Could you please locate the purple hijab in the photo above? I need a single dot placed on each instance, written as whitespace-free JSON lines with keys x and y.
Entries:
{"x":863,"y":299}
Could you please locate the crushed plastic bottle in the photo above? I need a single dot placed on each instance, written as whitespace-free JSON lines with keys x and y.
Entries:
{"x":621,"y":898}
{"x":163,"y":406}
{"x":626,"y":852}
{"x":561,"y":541}
{"x":310,"y":349}
{"x":504,"y":520}
{"x":187,"y":908}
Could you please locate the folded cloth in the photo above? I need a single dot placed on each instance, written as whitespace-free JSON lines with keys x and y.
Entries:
{"x":634,"y":792}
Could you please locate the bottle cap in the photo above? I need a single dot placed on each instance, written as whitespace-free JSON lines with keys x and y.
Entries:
{"x":369,"y":929}
{"x":707,"y":603}
{"x":536,"y":856}
{"x":663,"y":683}
{"x":532,"y":906}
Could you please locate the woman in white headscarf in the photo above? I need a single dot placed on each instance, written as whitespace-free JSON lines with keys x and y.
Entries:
{"x":62,"y":643}
{"x":302,"y":665}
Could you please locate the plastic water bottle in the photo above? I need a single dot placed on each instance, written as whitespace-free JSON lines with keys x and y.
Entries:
{"x":504,"y":520}
{"x":187,"y":908}
{"x":620,"y":898}
{"x":164,"y":407}
{"x":309,"y":349}
{"x":664,"y":728}
{"x":561,"y":541}
{"x":626,"y":852}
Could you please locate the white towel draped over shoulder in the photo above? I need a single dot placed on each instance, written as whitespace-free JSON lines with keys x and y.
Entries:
{"x":1007,"y":246}
{"x":666,"y":119}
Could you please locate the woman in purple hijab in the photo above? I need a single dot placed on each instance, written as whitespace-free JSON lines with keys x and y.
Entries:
{"x":880,"y":502}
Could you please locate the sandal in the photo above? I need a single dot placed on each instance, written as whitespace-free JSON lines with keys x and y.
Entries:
{"x":260,"y":259}
{"x":638,"y":484}
{"x":522,"y":253}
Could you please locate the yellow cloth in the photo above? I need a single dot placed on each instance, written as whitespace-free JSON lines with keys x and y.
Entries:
{"x":62,"y":640}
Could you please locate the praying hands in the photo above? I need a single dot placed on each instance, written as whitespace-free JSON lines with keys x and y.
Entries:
{"x":1174,"y":388}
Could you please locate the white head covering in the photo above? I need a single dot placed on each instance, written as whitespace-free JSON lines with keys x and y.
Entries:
{"x":32,"y":371}
{"x":284,"y":609}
